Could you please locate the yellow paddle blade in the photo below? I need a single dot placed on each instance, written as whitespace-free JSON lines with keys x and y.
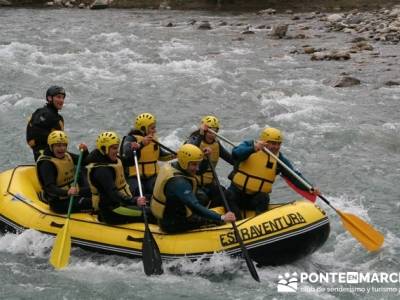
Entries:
{"x":62,"y":248}
{"x":369,"y":237}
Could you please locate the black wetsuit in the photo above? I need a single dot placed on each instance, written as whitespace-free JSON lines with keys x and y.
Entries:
{"x":179,"y":194}
{"x":103,"y":178}
{"x":56,"y":197}
{"x":43,"y":121}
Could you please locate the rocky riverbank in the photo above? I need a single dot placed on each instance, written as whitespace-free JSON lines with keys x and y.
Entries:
{"x":225,"y":5}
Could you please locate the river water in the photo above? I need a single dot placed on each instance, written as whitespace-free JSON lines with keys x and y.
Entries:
{"x":116,"y":64}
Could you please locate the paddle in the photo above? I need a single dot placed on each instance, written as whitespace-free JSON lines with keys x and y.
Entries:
{"x":60,"y":253}
{"x":369,"y":237}
{"x":151,"y":257}
{"x":245,"y":253}
{"x":165,"y":147}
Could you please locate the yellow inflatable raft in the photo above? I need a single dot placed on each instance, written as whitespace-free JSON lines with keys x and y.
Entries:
{"x":281,"y":235}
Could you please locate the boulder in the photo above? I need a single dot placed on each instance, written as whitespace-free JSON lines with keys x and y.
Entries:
{"x":99,"y":4}
{"x":205,"y":25}
{"x":334,"y":18}
{"x":5,"y":3}
{"x":268,"y":11}
{"x":346,"y":81}
{"x":392,"y":83}
{"x":360,"y":46}
{"x":331,"y":55}
{"x":279,"y":31}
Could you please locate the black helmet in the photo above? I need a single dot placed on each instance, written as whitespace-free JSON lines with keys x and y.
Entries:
{"x":55,"y":90}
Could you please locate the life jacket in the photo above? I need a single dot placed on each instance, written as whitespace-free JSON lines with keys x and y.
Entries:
{"x":120,"y":182}
{"x":207,"y":176}
{"x":255,"y":174}
{"x":159,"y":199}
{"x":65,"y":170}
{"x":148,"y":165}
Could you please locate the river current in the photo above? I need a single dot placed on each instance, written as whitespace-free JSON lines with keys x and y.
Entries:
{"x":115,"y":64}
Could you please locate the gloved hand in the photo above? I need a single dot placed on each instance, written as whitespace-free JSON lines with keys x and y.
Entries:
{"x":83,"y":146}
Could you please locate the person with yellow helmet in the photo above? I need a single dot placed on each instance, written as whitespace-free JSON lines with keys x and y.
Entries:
{"x":213,"y":150}
{"x":56,"y":169}
{"x":45,"y":120}
{"x":111,"y":195}
{"x":174,"y":202}
{"x":255,"y":170}
{"x":143,"y":139}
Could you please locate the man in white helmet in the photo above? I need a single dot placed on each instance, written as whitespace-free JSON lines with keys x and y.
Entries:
{"x":174,"y":201}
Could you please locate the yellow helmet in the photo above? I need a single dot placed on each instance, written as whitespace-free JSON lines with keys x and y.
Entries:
{"x":188,"y":153}
{"x":143,"y":121}
{"x":105,"y":140}
{"x":271,"y":134}
{"x":210,"y":121}
{"x":57,"y":137}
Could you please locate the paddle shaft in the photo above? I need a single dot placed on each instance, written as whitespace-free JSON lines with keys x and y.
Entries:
{"x":62,"y":245}
{"x":165,"y":147}
{"x":246,"y":256}
{"x":76,"y":176}
{"x":151,"y":256}
{"x":140,"y":187}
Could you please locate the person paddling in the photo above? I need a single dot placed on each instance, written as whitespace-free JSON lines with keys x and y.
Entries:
{"x":45,"y":120}
{"x":55,"y":169}
{"x":213,"y":150}
{"x":111,"y":196}
{"x":174,"y":202}
{"x":255,"y":171}
{"x":142,"y":138}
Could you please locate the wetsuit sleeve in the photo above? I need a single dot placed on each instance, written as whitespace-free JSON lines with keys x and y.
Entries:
{"x":195,"y":139}
{"x":287,"y":174}
{"x":225,"y":154}
{"x":75,"y":157}
{"x":181,"y":189}
{"x":126,"y":152}
{"x":103,"y":179}
{"x":243,"y":151}
{"x":48,"y":175}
